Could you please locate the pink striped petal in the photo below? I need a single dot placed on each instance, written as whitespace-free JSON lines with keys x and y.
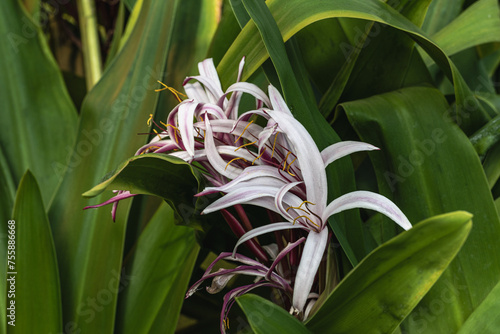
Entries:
{"x":367,"y":200}
{"x":343,"y":148}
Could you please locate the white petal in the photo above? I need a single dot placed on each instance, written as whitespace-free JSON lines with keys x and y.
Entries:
{"x":343,"y":148}
{"x":309,"y":263}
{"x":264,"y":229}
{"x":367,"y":200}
{"x":195,"y":91}
{"x":250,"y":173}
{"x":308,"y":156}
{"x":251,"y":89}
{"x":185,"y":119}
{"x":214,"y":158}
{"x":277,"y":101}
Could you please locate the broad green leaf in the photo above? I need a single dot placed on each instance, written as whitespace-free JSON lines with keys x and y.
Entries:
{"x":440,"y":13}
{"x":293,"y":15}
{"x":112,"y":115}
{"x":388,"y":61}
{"x":35,"y":276}
{"x":159,"y":274}
{"x":485,"y":319}
{"x":156,"y":174}
{"x":266,"y":317}
{"x":383,"y":289}
{"x":427,"y":166}
{"x":38,"y":124}
{"x":226,"y":32}
{"x":117,"y":34}
{"x":478,"y":24}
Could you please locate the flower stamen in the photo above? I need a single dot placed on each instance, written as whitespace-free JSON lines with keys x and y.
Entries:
{"x":247,"y":144}
{"x":304,"y":216}
{"x":157,"y":134}
{"x":274,"y":143}
{"x":245,"y":129}
{"x":300,"y":206}
{"x":172,"y":90}
{"x":233,"y":160}
{"x":259,"y":155}
{"x":288,"y":168}
{"x":148,"y":122}
{"x":175,"y":128}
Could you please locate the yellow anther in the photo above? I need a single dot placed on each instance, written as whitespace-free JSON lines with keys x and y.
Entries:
{"x":245,"y":129}
{"x":284,"y":164}
{"x":247,"y":144}
{"x":173,"y":91}
{"x":259,"y":155}
{"x":288,"y":168}
{"x":226,"y":323}
{"x":149,"y":149}
{"x":274,"y":144}
{"x":233,"y":160}
{"x":175,"y":132}
{"x":157,"y":134}
{"x":300,"y":206}
{"x":307,"y":219}
{"x":149,"y":119}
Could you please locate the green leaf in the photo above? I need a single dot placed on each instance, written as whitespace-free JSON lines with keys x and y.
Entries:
{"x":160,"y":270}
{"x":486,"y":137}
{"x":440,"y":13}
{"x":382,"y":290}
{"x":38,"y":118}
{"x":478,"y":24}
{"x":266,"y":317}
{"x":427,"y":166}
{"x":160,"y":175}
{"x":36,"y":282}
{"x":293,"y":15}
{"x":7,"y":194}
{"x":112,"y":115}
{"x":485,"y":318}
{"x":491,"y":165}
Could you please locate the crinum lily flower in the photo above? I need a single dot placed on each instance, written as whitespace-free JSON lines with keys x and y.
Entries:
{"x":298,"y":191}
{"x":180,"y":137}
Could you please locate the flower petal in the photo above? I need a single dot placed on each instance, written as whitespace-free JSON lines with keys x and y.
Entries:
{"x":308,"y":156}
{"x":367,"y":200}
{"x":251,"y":89}
{"x":185,"y":119}
{"x":277,"y":101}
{"x":309,"y":263}
{"x":255,"y":232}
{"x":214,"y":158}
{"x":343,"y":148}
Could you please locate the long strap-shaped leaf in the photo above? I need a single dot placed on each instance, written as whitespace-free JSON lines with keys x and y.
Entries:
{"x":37,"y":290}
{"x":293,"y":15}
{"x":113,"y":114}
{"x":38,"y":119}
{"x":428,"y":167}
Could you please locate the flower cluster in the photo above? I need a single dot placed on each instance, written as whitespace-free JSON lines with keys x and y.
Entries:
{"x":276,"y":166}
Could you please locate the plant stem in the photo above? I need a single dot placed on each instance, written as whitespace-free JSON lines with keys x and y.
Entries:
{"x":90,"y":42}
